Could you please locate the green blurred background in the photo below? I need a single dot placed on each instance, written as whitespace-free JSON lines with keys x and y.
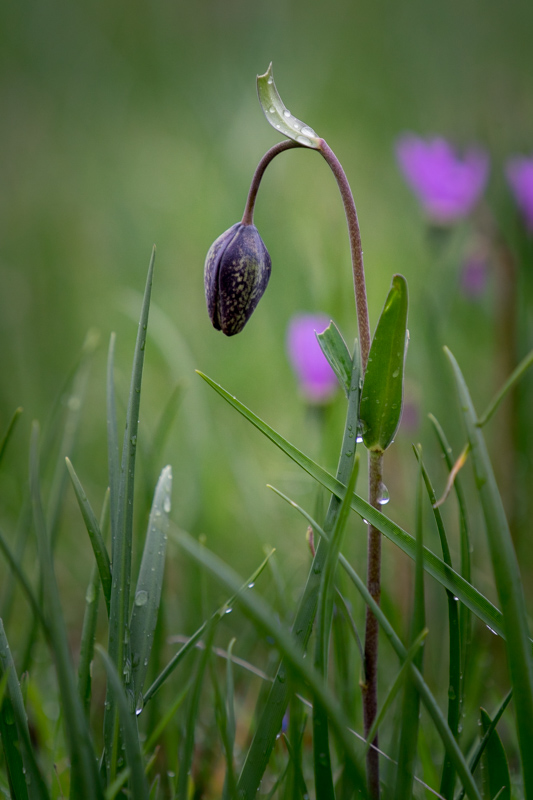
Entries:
{"x":124,"y":124}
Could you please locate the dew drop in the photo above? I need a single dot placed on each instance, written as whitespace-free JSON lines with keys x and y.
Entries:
{"x":270,"y":81}
{"x":278,"y":127}
{"x":139,"y":705}
{"x":286,"y":113}
{"x":359,"y":438}
{"x":307,"y":131}
{"x":90,"y":594}
{"x":272,"y":110}
{"x":395,"y":373}
{"x":303,"y":140}
{"x":383,"y":497}
{"x":251,"y":585}
{"x":166,"y":505}
{"x":228,"y":611}
{"x":141,"y":598}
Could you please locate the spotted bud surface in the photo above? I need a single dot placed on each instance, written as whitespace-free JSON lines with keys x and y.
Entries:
{"x":237,"y":269}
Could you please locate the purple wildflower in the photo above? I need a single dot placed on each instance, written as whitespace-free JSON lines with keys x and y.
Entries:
{"x":447,"y":186}
{"x":520,"y":176}
{"x":318,"y":382}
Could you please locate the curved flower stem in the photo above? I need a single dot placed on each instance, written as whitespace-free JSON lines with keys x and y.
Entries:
{"x":248,"y":216}
{"x":356,"y":249}
{"x":375,"y":470}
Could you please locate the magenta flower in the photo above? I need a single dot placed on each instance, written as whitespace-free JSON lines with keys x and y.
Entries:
{"x":447,"y":186}
{"x":520,"y":176}
{"x":318,"y":382}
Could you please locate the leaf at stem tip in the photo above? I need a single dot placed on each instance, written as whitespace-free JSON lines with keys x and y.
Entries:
{"x":382,"y":395}
{"x":336,"y":351}
{"x":279,"y":115}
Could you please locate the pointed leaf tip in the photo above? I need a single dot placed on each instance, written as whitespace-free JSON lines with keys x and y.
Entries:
{"x":279,"y":115}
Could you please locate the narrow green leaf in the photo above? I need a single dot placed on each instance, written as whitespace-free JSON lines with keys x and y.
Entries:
{"x":74,"y":402}
{"x":113,"y":459}
{"x":496,"y":773}
{"x":230,"y":784}
{"x":279,"y":116}
{"x":166,"y":718}
{"x":428,"y":699}
{"x":508,"y":385}
{"x":480,"y":749}
{"x":396,"y":686}
{"x":410,"y":714}
{"x":122,"y":535}
{"x":507,"y":578}
{"x":271,"y":718}
{"x":322,"y":758}
{"x":187,"y":743}
{"x":14,"y":731}
{"x":433,"y":565}
{"x":9,"y":431}
{"x":85,"y":779}
{"x":454,"y":635}
{"x":265,"y":619}
{"x":149,"y":585}
{"x":382,"y":395}
{"x":16,"y":570}
{"x":192,"y":641}
{"x":90,"y":619}
{"x":138,"y":786}
{"x":336,"y":351}
{"x":93,"y":529}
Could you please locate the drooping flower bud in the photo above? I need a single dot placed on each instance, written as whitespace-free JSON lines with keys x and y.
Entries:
{"x":237,"y":269}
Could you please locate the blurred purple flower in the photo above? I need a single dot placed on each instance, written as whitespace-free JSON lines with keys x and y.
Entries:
{"x":474,"y":276}
{"x":318,"y":382}
{"x":447,"y":186}
{"x":520,"y":176}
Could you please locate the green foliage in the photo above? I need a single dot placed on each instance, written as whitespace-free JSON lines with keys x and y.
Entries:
{"x":382,"y":393}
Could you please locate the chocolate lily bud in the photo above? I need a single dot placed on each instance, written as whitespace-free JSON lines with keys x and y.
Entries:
{"x":237,"y":269}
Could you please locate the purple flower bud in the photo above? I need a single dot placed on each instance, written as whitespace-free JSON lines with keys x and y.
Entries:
{"x":318,"y":382}
{"x":520,"y":176}
{"x":447,"y":186}
{"x":237,"y":269}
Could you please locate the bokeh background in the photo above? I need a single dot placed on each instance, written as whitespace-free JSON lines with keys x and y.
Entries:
{"x":128,"y":124}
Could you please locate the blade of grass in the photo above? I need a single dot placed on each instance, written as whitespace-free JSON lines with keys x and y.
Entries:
{"x":165,"y":719}
{"x":396,"y":686}
{"x":480,"y":749}
{"x":263,"y":617}
{"x":122,"y":534}
{"x":138,"y":786}
{"x":187,"y":744}
{"x":271,"y":718}
{"x":433,"y":565}
{"x":85,"y":780}
{"x":231,"y":780}
{"x":411,"y":698}
{"x":14,"y":729}
{"x":113,"y":458}
{"x":90,"y":619}
{"x":195,"y":638}
{"x":515,"y":376}
{"x":496,"y":775}
{"x":9,"y":432}
{"x":321,"y":753}
{"x":465,"y":617}
{"x":507,"y":578}
{"x":454,"y":636}
{"x":149,"y":585}
{"x":16,"y":570}
{"x":427,"y":697}
{"x":74,"y":405}
{"x":93,"y":529}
